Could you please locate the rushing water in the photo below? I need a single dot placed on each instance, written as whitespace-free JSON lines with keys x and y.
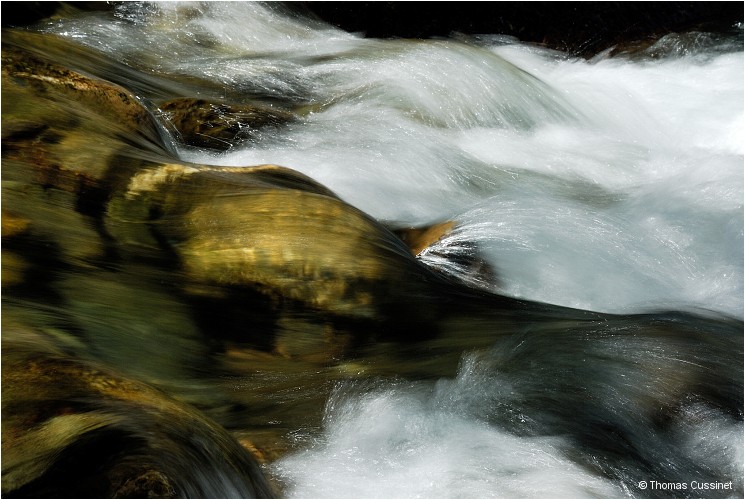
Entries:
{"x":613,"y":184}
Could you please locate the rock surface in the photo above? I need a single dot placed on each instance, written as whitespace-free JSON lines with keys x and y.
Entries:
{"x":214,"y":125}
{"x":74,"y":429}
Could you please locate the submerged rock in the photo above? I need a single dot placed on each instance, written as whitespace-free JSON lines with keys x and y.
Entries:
{"x":25,"y":66}
{"x":72,"y":428}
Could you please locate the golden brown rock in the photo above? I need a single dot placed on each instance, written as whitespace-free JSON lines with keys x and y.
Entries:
{"x":265,"y":227}
{"x":419,"y":238}
{"x":272,"y":229}
{"x":73,"y":428}
{"x":218,"y":125}
{"x":24,"y":64}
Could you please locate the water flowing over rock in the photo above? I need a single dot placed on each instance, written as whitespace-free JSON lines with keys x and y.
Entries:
{"x":216,"y":125}
{"x":177,"y":328}
{"x":72,"y":428}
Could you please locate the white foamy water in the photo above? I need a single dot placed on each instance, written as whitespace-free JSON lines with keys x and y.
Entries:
{"x":430,"y":440}
{"x":614,"y":184}
{"x":396,"y":439}
{"x":593,"y":190}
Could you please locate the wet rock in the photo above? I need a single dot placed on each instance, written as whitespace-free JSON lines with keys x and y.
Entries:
{"x":308,"y":289}
{"x":260,"y":255}
{"x":275,"y":230}
{"x":446,"y":253}
{"x":419,"y":238}
{"x":13,"y":224}
{"x":214,"y":125}
{"x":65,"y":130}
{"x":74,"y":429}
{"x":30,"y":70}
{"x":266,"y":227}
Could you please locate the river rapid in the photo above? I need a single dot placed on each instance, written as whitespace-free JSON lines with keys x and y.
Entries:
{"x":612,"y":184}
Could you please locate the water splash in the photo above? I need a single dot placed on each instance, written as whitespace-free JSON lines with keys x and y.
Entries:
{"x":400,"y":440}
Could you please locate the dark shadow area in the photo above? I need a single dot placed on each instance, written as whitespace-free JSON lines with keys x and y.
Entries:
{"x":579,"y":27}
